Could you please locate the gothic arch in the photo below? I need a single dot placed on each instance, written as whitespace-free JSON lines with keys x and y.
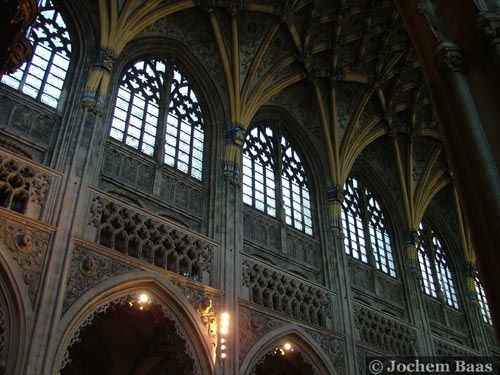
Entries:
{"x":316,"y":165}
{"x":300,"y":339}
{"x":394,"y":217}
{"x":208,"y":94}
{"x":199,"y":345}
{"x":14,"y":303}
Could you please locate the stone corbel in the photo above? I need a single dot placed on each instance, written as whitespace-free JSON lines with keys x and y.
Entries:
{"x":94,"y":96}
{"x":235,"y":137}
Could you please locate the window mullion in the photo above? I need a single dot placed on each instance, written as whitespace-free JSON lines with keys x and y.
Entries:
{"x":46,"y":75}
{"x":161,"y":128}
{"x":278,"y":172}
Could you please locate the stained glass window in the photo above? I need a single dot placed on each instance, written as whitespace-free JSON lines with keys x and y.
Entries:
{"x":43,"y":76}
{"x":365,"y":230}
{"x":155,"y":106}
{"x":273,"y":171}
{"x":483,"y":302}
{"x":436,"y":274}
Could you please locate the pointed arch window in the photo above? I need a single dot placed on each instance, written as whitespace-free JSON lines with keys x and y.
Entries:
{"x":483,"y":302}
{"x":157,"y":113}
{"x":366,"y":237}
{"x":273,"y":171}
{"x":43,"y":76}
{"x":437,"y":277}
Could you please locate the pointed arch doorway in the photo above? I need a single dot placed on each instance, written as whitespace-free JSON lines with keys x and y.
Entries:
{"x":130,"y":338}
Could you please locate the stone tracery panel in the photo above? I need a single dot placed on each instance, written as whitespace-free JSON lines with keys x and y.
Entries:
{"x":150,"y":238}
{"x":279,"y":291}
{"x":23,"y":117}
{"x":266,"y":232}
{"x":139,"y":172}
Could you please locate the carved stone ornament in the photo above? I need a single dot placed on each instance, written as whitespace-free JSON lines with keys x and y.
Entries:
{"x":105,"y":59}
{"x":206,"y":306}
{"x":235,"y":134}
{"x":86,"y":270}
{"x":333,"y":347}
{"x":28,"y":247}
{"x":449,"y":58}
{"x":252,"y":326}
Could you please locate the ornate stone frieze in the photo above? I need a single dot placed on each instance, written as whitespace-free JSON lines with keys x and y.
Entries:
{"x":252,"y":326}
{"x":27,"y":244}
{"x":281,"y":292}
{"x":149,"y":238}
{"x":86,"y":270}
{"x":384,"y":332}
{"x":334,"y":347}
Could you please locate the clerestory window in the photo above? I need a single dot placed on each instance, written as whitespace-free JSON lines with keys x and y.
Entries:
{"x":437,"y":277}
{"x":274,"y":176}
{"x":157,"y":113}
{"x":483,"y":302}
{"x":366,"y":237}
{"x":43,"y":76}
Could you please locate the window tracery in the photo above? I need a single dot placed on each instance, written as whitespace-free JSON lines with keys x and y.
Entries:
{"x":42,"y":78}
{"x":483,"y":302}
{"x":273,"y":173}
{"x":437,"y":278}
{"x":156,"y":109}
{"x":365,"y":231}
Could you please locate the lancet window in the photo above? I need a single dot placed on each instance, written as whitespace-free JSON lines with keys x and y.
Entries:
{"x":366,"y":237}
{"x":274,"y":177}
{"x":157,"y":112}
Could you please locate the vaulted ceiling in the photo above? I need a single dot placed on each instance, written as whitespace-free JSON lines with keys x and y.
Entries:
{"x":353,"y":60}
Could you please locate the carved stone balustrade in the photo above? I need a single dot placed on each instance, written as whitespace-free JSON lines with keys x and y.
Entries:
{"x":286,"y":293}
{"x":27,"y":187}
{"x":392,"y":335}
{"x":150,"y":238}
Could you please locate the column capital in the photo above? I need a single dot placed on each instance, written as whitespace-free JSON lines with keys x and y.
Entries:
{"x":449,"y":58}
